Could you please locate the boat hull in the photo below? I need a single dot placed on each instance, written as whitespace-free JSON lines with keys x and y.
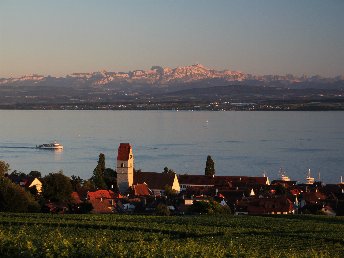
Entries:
{"x":50,"y":146}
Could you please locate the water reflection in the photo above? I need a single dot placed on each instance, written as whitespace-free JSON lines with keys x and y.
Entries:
{"x":58,"y":154}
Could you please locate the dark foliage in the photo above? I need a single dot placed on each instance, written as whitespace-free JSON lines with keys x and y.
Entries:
{"x":162,"y":210}
{"x":210,"y":207}
{"x":4,"y":167}
{"x":209,"y":167}
{"x":35,"y":174}
{"x":98,"y":173}
{"x":168,"y":171}
{"x":57,"y":187}
{"x":76,"y":182}
{"x":14,"y":198}
{"x":110,"y":179}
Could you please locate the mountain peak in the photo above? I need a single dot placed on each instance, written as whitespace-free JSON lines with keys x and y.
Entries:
{"x":158,"y":75}
{"x":199,"y":65}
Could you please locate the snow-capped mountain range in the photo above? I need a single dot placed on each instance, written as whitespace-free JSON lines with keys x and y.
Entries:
{"x":158,"y":75}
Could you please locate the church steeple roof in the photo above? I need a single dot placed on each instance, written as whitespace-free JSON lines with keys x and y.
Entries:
{"x":124,"y":151}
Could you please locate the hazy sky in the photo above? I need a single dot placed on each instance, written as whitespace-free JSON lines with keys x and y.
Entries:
{"x":254,"y":36}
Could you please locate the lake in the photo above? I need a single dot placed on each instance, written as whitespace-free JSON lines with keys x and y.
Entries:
{"x":240,"y":143}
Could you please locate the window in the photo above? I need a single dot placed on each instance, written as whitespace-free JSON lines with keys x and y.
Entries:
{"x":122,"y":165}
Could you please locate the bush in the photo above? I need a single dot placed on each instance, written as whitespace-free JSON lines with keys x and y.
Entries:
{"x":162,"y":210}
{"x":210,"y":207}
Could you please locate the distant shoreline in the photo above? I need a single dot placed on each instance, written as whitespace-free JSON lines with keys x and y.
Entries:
{"x":168,"y":107}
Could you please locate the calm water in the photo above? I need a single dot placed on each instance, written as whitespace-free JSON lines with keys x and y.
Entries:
{"x":241,"y":143}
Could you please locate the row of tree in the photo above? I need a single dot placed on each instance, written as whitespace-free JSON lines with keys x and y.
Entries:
{"x":56,"y":187}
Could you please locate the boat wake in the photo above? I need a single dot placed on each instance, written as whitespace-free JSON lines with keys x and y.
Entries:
{"x":16,"y":147}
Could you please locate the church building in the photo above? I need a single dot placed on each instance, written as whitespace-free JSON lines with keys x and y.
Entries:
{"x":125,"y":167}
{"x":126,"y":178}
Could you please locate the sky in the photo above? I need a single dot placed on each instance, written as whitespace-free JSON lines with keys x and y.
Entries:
{"x":56,"y":38}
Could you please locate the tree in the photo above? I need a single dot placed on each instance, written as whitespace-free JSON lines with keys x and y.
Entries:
{"x":35,"y":174}
{"x":110,"y":178}
{"x":57,"y":187}
{"x":169,"y":192}
{"x":101,"y":162}
{"x":14,"y":198}
{"x":168,"y":171}
{"x":209,"y":207}
{"x":87,"y":186}
{"x":76,"y":182}
{"x":4,"y":167}
{"x":18,"y":174}
{"x":209,"y":167}
{"x":98,"y":173}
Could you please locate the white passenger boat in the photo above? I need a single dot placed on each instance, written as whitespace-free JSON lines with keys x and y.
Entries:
{"x":309,"y":180}
{"x":50,"y":146}
{"x":283,"y":175}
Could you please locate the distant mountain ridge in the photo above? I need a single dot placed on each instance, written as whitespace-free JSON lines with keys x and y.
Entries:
{"x":187,"y":87}
{"x":159,"y":76}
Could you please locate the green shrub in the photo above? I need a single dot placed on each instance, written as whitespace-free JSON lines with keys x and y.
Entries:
{"x":162,"y":210}
{"x":209,"y":207}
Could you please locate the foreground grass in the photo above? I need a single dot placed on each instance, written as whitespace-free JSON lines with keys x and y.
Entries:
{"x":46,"y":235}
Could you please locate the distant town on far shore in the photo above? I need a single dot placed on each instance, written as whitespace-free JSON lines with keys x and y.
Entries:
{"x":193,"y":87}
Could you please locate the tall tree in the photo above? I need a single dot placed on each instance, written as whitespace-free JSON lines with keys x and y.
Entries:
{"x":101,"y":162}
{"x":18,"y":174}
{"x":168,"y":171}
{"x":209,"y":167}
{"x":35,"y":174}
{"x":4,"y":167}
{"x":88,"y":186}
{"x":98,"y":173}
{"x":14,"y":198}
{"x":57,"y":187}
{"x":76,"y":182}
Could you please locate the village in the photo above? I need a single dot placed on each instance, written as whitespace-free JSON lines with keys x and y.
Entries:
{"x":169,"y":193}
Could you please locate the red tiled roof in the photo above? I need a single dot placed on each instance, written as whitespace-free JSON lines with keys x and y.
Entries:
{"x":198,"y":180}
{"x":75,"y":197}
{"x":284,"y":183}
{"x":102,"y":206}
{"x":220,"y":195}
{"x":106,"y":194}
{"x":141,"y":190}
{"x":233,"y":195}
{"x":219,"y":180}
{"x":118,"y":196}
{"x":123,"y":151}
{"x":295,"y":191}
{"x":313,"y":197}
{"x":244,"y":179}
{"x":269,"y":205}
{"x":332,"y":188}
{"x":200,"y":190}
{"x":154,"y":180}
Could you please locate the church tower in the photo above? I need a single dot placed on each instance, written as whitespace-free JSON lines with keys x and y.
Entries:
{"x":125,"y":167}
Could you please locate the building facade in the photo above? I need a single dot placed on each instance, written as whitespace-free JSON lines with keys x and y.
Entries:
{"x":125,"y":167}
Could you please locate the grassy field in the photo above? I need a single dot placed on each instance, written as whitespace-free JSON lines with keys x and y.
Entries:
{"x":46,"y":235}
